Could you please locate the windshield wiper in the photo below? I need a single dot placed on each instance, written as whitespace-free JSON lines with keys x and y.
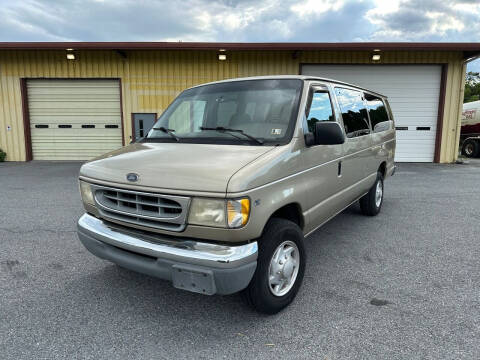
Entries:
{"x":223,"y":129}
{"x":168,"y":131}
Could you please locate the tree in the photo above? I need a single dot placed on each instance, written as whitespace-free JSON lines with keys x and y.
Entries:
{"x":472,"y":87}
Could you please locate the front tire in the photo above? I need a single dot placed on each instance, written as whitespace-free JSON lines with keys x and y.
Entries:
{"x":280,"y":267}
{"x":371,"y":203}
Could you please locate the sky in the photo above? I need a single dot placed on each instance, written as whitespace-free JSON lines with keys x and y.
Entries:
{"x":242,"y":20}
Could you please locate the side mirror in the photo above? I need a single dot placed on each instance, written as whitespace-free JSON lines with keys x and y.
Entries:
{"x":328,"y":133}
{"x":383,"y":126}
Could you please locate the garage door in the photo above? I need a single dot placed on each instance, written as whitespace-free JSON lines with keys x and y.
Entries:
{"x":74,"y":119}
{"x":413,"y":92}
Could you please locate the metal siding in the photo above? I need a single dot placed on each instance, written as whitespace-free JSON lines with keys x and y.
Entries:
{"x":151,"y":79}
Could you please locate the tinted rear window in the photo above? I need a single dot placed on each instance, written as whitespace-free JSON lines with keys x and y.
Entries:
{"x":376,"y":109}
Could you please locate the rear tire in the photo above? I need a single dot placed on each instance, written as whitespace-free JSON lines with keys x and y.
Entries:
{"x":371,"y":203}
{"x":280,"y":267}
{"x":470,"y":148}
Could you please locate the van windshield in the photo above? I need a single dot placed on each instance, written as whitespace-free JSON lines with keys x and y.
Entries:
{"x":251,"y":112}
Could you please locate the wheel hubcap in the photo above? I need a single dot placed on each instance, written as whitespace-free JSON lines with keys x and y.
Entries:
{"x":378,"y":194}
{"x":283,"y":269}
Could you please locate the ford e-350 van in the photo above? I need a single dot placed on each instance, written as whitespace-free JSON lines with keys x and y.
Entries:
{"x":221,"y":193}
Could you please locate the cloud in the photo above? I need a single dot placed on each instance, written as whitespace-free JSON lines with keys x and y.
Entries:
{"x":240,"y":20}
{"x":426,"y":20}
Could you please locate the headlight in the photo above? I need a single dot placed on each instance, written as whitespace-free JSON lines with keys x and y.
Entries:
{"x":219,"y":213}
{"x":86,"y":193}
{"x":238,"y":212}
{"x":207,"y":212}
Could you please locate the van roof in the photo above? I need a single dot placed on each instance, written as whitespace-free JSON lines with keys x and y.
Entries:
{"x":300,"y":77}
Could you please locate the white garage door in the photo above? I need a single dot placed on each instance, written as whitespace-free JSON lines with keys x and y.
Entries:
{"x":74,"y":119}
{"x":413,"y":93}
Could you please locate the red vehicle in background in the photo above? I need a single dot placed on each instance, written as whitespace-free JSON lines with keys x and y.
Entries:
{"x":470,"y":131}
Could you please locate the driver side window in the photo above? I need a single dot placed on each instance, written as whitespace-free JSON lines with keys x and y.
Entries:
{"x":320,"y":109}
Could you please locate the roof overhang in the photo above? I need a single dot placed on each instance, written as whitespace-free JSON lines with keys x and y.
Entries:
{"x":469,"y":49}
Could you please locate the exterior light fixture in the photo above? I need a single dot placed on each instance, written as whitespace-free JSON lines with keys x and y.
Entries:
{"x":376,"y":55}
{"x":222,"y":56}
{"x":70,"y":54}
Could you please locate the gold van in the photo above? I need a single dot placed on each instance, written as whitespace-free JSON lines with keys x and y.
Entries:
{"x":221,"y":193}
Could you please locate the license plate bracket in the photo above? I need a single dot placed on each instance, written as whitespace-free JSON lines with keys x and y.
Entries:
{"x":193,"y":279}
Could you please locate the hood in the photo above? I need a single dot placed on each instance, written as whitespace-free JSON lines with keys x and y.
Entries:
{"x":194,"y":167}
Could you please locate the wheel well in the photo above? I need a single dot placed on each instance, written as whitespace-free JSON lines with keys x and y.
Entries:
{"x":476,"y":139}
{"x":383,"y":169}
{"x":291,"y":212}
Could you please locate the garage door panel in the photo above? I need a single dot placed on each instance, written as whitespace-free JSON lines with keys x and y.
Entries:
{"x":92,"y":115}
{"x":79,"y":133}
{"x":413,"y":92}
{"x":90,"y":109}
{"x":416,"y":120}
{"x":413,"y":135}
{"x":419,"y":106}
{"x":75,"y":119}
{"x":85,"y":94}
{"x":75,"y":84}
{"x":75,"y":107}
{"x":413,"y":96}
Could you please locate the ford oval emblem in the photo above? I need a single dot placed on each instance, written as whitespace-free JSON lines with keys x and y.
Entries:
{"x":132,"y":177}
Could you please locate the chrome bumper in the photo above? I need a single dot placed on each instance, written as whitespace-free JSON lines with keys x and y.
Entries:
{"x":191,"y":265}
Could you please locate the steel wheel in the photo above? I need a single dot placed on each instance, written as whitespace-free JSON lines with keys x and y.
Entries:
{"x":283,"y":269}
{"x":378,"y":193}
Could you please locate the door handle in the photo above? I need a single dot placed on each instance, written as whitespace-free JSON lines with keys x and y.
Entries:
{"x":339,"y":169}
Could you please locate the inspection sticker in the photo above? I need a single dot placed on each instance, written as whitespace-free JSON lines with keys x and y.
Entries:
{"x":276,"y":131}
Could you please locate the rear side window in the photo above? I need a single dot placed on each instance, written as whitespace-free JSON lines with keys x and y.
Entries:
{"x":354,"y":112}
{"x":320,"y":109}
{"x":376,"y":109}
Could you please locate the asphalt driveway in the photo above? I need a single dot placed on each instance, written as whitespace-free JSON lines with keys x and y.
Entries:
{"x":402,"y":285}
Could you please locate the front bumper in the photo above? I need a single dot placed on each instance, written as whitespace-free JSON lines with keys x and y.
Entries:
{"x":189,"y":264}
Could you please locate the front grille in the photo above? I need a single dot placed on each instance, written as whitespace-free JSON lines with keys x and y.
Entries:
{"x":146,"y":209}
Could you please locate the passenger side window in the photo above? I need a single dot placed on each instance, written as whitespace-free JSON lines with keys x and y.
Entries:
{"x":376,"y":110}
{"x":320,"y":109}
{"x":354,"y":112}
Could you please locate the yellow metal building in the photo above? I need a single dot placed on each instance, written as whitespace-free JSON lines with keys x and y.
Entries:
{"x":64,"y":101}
